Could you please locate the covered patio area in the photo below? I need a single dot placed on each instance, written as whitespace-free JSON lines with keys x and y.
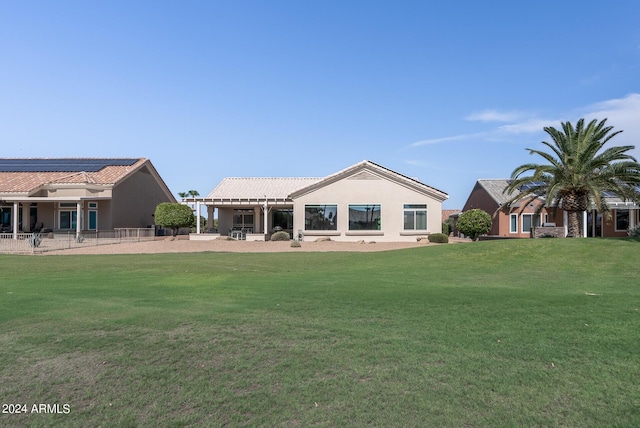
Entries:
{"x":248,"y":208}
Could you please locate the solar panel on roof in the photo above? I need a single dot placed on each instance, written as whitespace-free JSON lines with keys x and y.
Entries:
{"x":61,"y":164}
{"x":532,"y":185}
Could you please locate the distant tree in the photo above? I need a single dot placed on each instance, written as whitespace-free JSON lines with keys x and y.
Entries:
{"x":447,"y":226}
{"x":578,"y":171}
{"x":190,"y":193}
{"x":474,"y":223}
{"x":174,"y":216}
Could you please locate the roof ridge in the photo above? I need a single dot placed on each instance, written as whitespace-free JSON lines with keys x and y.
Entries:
{"x":86,"y":177}
{"x":270,"y":178}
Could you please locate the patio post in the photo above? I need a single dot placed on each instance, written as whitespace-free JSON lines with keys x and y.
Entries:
{"x":26,"y":218}
{"x":210,"y":212}
{"x":15,"y":220}
{"x":78,"y":219}
{"x":198,"y":217}
{"x":265,"y":207}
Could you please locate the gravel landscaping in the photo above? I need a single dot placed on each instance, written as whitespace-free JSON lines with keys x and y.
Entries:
{"x":186,"y":246}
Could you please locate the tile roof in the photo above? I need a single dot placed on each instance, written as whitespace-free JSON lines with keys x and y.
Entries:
{"x":494,"y":188}
{"x":447,"y":213}
{"x":259,"y":187}
{"x":22,"y":178}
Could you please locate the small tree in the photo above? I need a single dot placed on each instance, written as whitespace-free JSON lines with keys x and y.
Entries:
{"x":173,"y":216}
{"x":474,"y":223}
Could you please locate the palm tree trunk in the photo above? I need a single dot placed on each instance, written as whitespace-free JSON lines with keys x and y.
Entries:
{"x":574,"y":202}
{"x":573,"y":225}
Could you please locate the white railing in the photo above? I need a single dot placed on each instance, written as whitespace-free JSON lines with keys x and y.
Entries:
{"x":51,"y":241}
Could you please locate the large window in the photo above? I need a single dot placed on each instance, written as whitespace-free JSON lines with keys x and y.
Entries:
{"x":320,"y":217}
{"x":622,"y":220}
{"x":243,"y":219}
{"x":364,"y":217}
{"x":283,"y":219}
{"x":415,"y":217}
{"x":67,"y":216}
{"x":68,"y":219}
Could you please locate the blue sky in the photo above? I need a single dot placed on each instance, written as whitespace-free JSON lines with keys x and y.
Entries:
{"x":448,"y":92}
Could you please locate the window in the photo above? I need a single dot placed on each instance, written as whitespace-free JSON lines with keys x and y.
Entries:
{"x":320,"y":217}
{"x":527,"y":222}
{"x":242,"y":219}
{"x":93,"y":216}
{"x":283,"y":219}
{"x":68,"y":219}
{"x":364,"y":217}
{"x":415,"y":217}
{"x":622,"y":220}
{"x":68,"y":215}
{"x":5,"y":217}
{"x":513,"y":223}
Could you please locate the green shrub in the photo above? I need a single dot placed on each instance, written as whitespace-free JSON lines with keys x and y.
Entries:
{"x":446,"y":229}
{"x":474,"y":223}
{"x":635,"y":232}
{"x":280,"y":236}
{"x":439,"y":238}
{"x":173,"y":216}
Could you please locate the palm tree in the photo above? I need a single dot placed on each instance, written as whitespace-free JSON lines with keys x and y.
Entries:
{"x":578,"y":172}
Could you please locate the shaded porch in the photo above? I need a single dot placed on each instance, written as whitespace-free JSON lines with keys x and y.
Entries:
{"x":242,"y":219}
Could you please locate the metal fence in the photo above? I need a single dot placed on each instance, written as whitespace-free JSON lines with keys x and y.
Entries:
{"x":51,"y":241}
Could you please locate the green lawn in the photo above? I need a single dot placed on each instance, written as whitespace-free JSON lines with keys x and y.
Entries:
{"x":488,"y":334}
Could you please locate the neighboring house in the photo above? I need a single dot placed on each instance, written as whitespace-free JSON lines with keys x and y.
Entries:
{"x":363,"y":202}
{"x":452,"y":217}
{"x":518,"y":219}
{"x":75,"y":194}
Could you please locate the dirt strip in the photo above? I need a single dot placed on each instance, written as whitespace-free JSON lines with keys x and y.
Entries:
{"x":186,"y":246}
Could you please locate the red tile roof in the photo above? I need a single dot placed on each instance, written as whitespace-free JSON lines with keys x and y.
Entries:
{"x":27,"y":182}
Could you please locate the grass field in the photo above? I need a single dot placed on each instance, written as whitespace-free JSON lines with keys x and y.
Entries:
{"x":489,"y":334}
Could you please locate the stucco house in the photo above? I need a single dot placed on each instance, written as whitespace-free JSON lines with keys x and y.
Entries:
{"x":76,"y":194}
{"x":365,"y":201}
{"x":518,"y":219}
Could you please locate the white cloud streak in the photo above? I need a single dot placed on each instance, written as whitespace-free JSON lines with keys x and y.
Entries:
{"x":621,"y":113}
{"x":446,"y":139}
{"x":495,"y":116}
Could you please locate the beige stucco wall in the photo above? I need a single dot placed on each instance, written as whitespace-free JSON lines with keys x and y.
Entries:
{"x":391,"y":197}
{"x":135,"y":199}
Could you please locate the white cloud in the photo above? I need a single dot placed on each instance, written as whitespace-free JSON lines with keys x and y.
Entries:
{"x":494,"y":116}
{"x":446,"y":139}
{"x":415,"y":162}
{"x":621,"y":113}
{"x":531,"y":126}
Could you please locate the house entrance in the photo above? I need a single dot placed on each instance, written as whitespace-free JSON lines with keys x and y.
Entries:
{"x":594,"y":228}
{"x":283,"y":219}
{"x":5,"y":219}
